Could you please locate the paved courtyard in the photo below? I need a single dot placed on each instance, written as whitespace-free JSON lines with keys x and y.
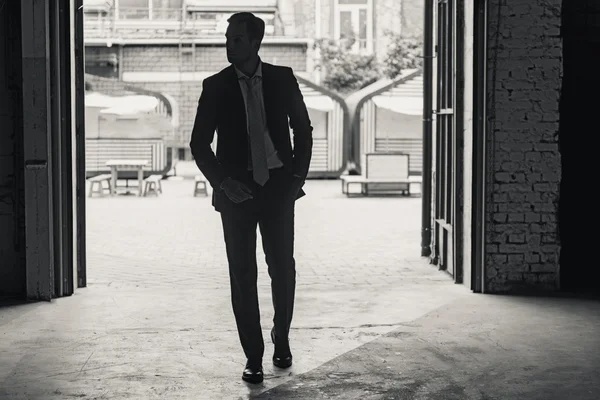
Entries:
{"x":155,"y":321}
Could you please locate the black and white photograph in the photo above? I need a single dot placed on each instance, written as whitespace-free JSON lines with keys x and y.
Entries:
{"x":299,"y":200}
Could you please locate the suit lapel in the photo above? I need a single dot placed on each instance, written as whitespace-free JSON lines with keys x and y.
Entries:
{"x":268,"y":90}
{"x":235,"y":98}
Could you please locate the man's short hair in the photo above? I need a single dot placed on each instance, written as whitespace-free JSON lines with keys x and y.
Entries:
{"x":254,"y":25}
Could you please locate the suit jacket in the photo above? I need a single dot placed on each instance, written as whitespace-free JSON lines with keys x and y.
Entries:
{"x":221,"y":108}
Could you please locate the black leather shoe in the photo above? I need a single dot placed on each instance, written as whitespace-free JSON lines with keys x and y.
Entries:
{"x":253,"y":373}
{"x":281,"y":359}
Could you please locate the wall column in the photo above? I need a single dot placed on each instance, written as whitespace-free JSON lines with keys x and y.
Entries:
{"x":37,"y":150}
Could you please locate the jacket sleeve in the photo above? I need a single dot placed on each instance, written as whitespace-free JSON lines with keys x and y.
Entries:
{"x":301,"y":127}
{"x":203,"y":134}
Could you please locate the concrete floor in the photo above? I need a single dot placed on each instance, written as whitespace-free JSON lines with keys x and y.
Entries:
{"x":474,"y":348}
{"x":372,"y":320}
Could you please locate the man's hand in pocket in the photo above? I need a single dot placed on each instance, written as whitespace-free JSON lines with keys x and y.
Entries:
{"x":236,"y":191}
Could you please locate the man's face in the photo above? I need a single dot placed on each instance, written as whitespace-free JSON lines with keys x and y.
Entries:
{"x":239,"y":47}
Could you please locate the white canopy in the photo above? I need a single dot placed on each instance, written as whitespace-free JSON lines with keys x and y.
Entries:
{"x":132,"y":105}
{"x":402,"y":105}
{"x":121,"y":105}
{"x":97,"y":5}
{"x":321,"y":103}
{"x":100,"y":100}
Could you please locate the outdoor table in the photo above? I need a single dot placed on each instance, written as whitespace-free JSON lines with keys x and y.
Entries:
{"x":126,"y":165}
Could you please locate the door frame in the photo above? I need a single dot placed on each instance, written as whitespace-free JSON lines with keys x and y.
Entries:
{"x":459,"y":116}
{"x":479,"y":146}
{"x":79,"y":71}
{"x":49,"y":105}
{"x":452,"y":202}
{"x":62,"y":108}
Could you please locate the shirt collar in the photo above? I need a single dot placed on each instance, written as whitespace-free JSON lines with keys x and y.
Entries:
{"x":258,"y":71}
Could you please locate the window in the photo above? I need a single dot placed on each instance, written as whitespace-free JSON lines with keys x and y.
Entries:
{"x":354,"y":22}
{"x":149,"y":9}
{"x":166,"y":9}
{"x":447,"y":146}
{"x":216,"y":22}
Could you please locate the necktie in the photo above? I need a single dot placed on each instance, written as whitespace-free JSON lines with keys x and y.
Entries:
{"x":260,"y":169}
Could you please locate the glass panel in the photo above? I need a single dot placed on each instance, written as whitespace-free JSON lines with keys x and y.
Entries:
{"x":210,"y":16}
{"x":362,"y":28}
{"x":450,"y":47}
{"x":217,"y":22}
{"x":446,"y":146}
{"x":346,"y":28}
{"x":134,"y":9}
{"x":167,"y":3}
{"x":166,"y":9}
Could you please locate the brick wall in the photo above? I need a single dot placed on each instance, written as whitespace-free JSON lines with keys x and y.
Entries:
{"x":93,"y":53}
{"x":523,"y":163}
{"x":100,"y":60}
{"x":186,"y":93}
{"x":206,"y":58}
{"x":12,"y":211}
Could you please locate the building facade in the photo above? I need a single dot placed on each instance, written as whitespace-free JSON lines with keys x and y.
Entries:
{"x":171,"y":46}
{"x":362,"y":24}
{"x":367,"y":21}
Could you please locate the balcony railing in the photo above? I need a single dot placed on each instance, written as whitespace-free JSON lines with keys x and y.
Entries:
{"x":150,"y":14}
{"x":163,"y":23}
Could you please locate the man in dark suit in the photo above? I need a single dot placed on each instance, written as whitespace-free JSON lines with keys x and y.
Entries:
{"x":256,"y":177}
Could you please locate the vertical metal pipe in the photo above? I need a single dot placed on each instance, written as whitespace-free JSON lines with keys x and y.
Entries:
{"x":66,"y":106}
{"x":427,"y":128}
{"x":79,"y":54}
{"x":54,"y":81}
{"x":479,"y":143}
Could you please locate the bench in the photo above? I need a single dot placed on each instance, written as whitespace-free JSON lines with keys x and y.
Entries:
{"x":152,"y":185}
{"x":383,"y":172}
{"x":200,"y":186}
{"x":96,"y":186}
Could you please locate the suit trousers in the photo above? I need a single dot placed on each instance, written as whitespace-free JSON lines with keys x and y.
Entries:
{"x":272,"y":210}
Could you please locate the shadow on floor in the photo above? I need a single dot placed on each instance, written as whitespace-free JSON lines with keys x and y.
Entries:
{"x":482,"y":347}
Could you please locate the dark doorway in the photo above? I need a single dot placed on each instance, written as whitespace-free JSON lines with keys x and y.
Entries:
{"x":578,"y":106}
